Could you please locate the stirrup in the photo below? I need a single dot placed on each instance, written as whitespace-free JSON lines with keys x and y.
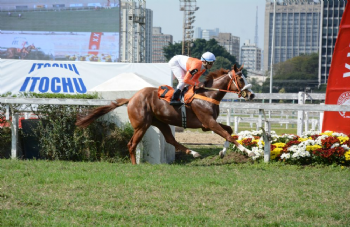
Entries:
{"x":175,"y":102}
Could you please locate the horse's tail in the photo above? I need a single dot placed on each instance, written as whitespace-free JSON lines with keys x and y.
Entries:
{"x":98,"y":112}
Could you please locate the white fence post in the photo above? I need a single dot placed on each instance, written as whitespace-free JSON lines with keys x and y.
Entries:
{"x":228,"y":119}
{"x":301,"y":100}
{"x":321,"y":119}
{"x":306,"y":121}
{"x":236,"y":122}
{"x":14,"y":139}
{"x":260,"y":118}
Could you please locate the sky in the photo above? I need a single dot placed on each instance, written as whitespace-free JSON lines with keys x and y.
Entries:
{"x":237,"y":17}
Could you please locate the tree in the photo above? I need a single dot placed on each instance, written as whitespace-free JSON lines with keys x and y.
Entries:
{"x":294,"y":75}
{"x":221,"y":62}
{"x":223,"y":58}
{"x":199,"y":47}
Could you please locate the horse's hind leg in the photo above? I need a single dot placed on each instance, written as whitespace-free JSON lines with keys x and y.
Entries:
{"x":135,"y":140}
{"x":169,"y":138}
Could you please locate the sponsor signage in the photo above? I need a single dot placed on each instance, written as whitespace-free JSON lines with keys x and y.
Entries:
{"x":338,"y":87}
{"x":72,"y":77}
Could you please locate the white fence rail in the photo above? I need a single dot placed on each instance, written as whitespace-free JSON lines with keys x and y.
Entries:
{"x":281,"y":113}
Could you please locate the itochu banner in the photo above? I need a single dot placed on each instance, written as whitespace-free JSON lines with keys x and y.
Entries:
{"x":69,"y":77}
{"x":338,"y":87}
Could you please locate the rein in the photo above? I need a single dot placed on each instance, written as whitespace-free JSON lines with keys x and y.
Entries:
{"x":232,"y":80}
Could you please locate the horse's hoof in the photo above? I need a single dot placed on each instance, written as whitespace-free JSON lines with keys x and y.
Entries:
{"x":221,"y":154}
{"x":197,"y":155}
{"x":251,"y":154}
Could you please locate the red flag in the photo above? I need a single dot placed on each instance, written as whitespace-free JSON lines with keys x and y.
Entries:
{"x":94,"y":44}
{"x":338,"y":87}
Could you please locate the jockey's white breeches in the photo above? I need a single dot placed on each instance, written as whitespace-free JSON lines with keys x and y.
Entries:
{"x":178,"y":72}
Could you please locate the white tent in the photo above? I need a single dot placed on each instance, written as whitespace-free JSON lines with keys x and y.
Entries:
{"x":126,"y":82}
{"x":153,"y":147}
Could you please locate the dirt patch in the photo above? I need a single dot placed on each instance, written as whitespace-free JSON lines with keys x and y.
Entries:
{"x":198,"y":138}
{"x":208,"y":145}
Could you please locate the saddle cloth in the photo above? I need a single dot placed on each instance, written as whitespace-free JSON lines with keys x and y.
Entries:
{"x":165,"y":92}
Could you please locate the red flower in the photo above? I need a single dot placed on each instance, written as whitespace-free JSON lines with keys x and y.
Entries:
{"x":248,"y":143}
{"x":235,"y":137}
{"x":329,"y":141}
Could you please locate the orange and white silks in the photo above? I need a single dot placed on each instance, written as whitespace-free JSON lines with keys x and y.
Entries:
{"x":338,"y":87}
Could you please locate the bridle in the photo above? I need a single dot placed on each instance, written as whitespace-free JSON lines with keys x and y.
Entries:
{"x":233,"y":79}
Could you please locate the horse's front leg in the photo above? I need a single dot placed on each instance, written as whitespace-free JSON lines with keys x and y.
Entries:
{"x":218,"y":129}
{"x":227,"y":143}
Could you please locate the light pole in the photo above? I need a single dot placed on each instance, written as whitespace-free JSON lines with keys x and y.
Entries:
{"x":189,"y":7}
{"x":272,"y":46}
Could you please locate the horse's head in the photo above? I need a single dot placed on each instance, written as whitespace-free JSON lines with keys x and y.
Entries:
{"x":239,"y":84}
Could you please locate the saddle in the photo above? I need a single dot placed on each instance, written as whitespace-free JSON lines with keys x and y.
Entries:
{"x":165,"y":92}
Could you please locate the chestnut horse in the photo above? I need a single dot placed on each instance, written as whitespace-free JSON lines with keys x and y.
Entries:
{"x":146,"y":109}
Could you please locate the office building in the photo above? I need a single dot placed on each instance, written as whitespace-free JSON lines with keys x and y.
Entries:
{"x":251,"y":56}
{"x":206,"y":34}
{"x":297,"y":29}
{"x":159,"y":41}
{"x":135,"y":45}
{"x":331,"y":14}
{"x":230,"y":42}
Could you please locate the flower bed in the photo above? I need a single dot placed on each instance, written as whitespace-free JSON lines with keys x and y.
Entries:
{"x":312,"y":147}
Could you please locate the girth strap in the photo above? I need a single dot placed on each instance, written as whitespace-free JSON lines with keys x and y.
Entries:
{"x":216,"y":102}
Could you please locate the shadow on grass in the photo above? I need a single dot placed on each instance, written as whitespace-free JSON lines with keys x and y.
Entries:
{"x":210,"y":156}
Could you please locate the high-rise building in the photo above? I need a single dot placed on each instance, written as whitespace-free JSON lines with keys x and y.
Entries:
{"x":251,"y":56}
{"x":159,"y":40}
{"x":206,"y":34}
{"x":331,"y":14}
{"x":197,"y":33}
{"x":230,"y":42}
{"x":135,"y":46}
{"x":297,"y":29}
{"x":236,"y":48}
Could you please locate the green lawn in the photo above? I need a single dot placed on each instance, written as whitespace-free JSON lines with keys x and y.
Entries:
{"x":43,"y":193}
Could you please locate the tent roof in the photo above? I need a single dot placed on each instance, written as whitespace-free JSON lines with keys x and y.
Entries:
{"x":126,"y":82}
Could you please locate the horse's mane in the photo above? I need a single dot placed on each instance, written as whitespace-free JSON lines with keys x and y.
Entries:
{"x":213,"y":75}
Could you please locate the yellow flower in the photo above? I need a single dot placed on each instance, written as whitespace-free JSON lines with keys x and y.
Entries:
{"x":313,"y":147}
{"x":239,"y":141}
{"x":279,"y":145}
{"x":275,"y":152}
{"x":257,"y":141}
{"x":328,"y":133}
{"x":347,"y":155}
{"x":302,"y":139}
{"x":343,"y":139}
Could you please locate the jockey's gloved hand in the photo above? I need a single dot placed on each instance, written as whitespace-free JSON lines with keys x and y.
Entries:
{"x":200,"y":85}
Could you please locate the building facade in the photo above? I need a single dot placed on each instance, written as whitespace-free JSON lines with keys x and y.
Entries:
{"x":230,"y":42}
{"x":206,"y":34}
{"x":159,"y":41}
{"x":132,"y":42}
{"x":297,"y":29}
{"x":251,"y":56}
{"x":331,"y":14}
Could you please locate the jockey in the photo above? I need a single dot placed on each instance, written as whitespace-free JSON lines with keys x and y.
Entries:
{"x":187,"y":70}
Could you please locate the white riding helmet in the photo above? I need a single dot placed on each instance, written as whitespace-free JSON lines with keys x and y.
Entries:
{"x":207,"y":56}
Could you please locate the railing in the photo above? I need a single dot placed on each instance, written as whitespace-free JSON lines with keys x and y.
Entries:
{"x":304,"y":117}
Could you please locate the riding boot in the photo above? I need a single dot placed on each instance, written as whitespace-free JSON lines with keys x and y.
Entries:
{"x":175,"y":100}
